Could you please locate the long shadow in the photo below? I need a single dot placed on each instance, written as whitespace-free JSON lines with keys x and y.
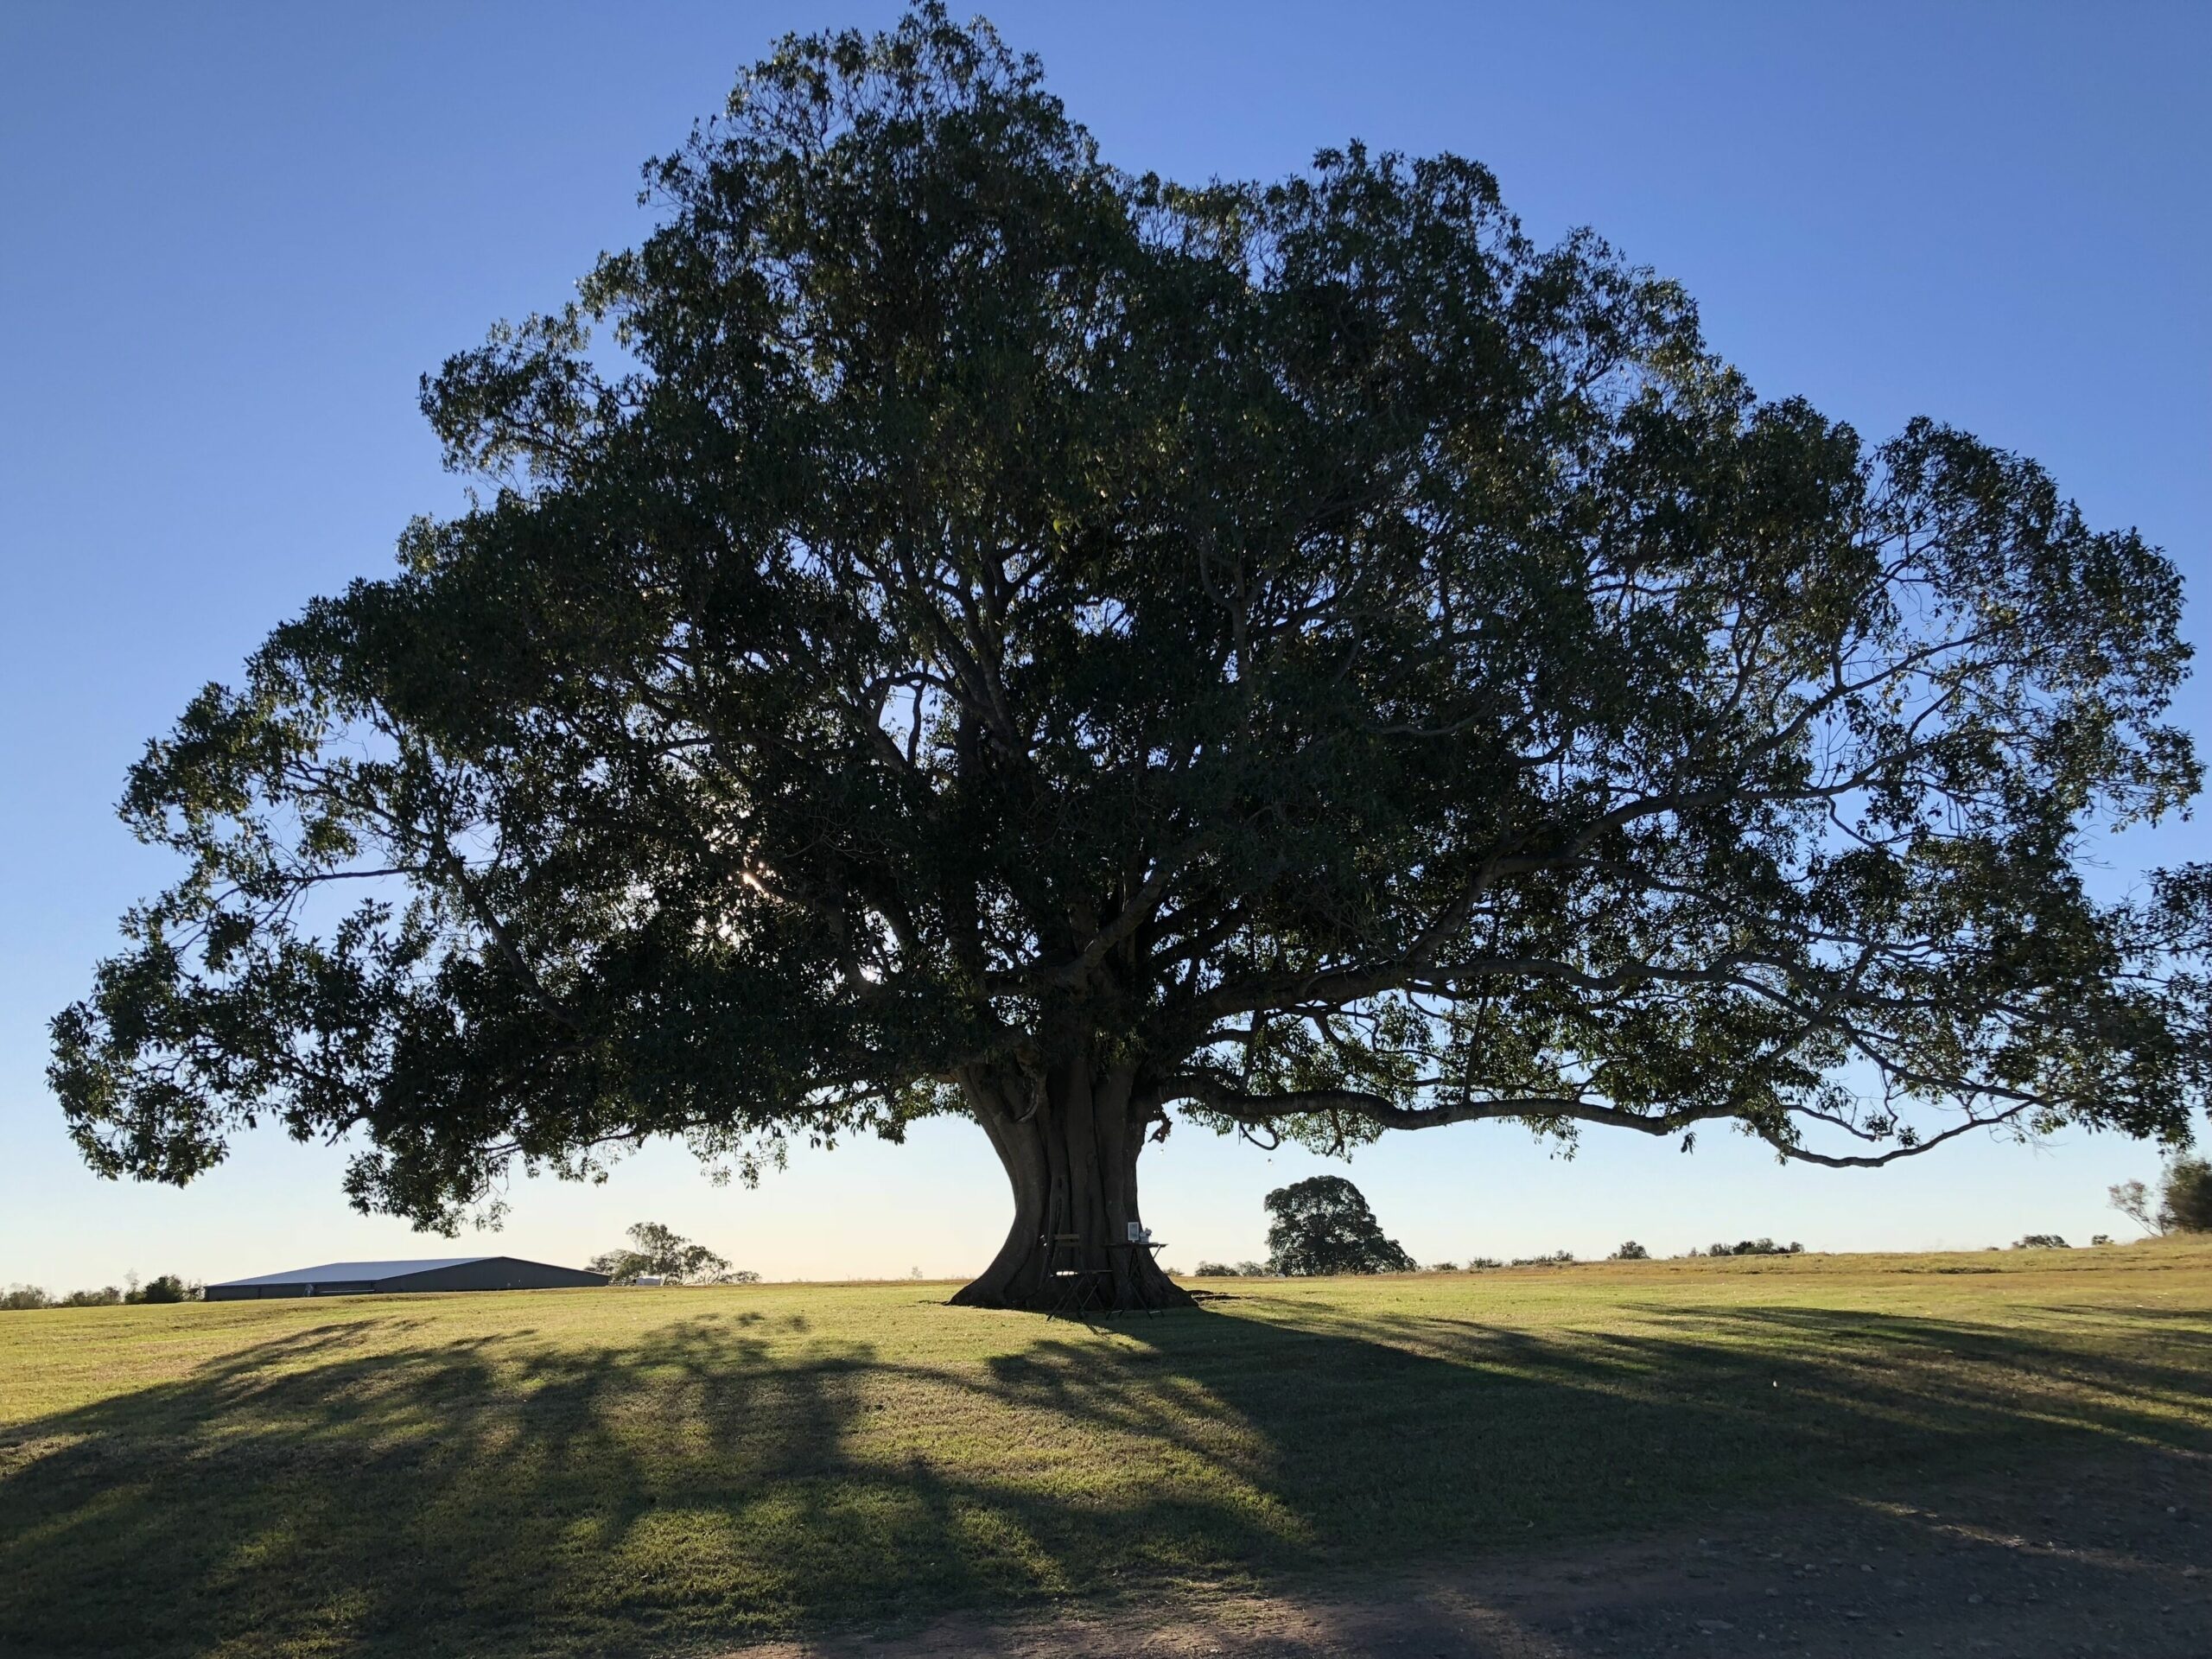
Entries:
{"x":365,"y":1488}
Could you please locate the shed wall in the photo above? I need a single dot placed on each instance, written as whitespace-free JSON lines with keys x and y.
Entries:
{"x":497,"y":1273}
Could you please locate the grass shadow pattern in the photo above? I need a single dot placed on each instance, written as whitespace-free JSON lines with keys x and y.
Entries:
{"x":496,"y":1475}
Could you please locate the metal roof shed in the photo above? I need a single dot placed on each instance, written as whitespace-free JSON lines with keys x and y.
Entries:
{"x":438,"y":1273}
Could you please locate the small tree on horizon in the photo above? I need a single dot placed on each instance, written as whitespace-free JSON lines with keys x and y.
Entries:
{"x":660,"y":1251}
{"x":2183,"y":1202}
{"x":2136,"y":1201}
{"x":1322,"y":1226}
{"x":163,"y":1287}
{"x":986,"y":633}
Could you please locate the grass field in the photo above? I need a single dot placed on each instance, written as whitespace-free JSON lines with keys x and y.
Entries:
{"x":657,"y":1472}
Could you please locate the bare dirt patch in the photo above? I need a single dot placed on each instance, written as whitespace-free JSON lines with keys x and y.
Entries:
{"x":2106,"y":1557}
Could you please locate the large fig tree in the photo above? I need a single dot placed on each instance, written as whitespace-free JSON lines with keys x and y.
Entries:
{"x":950,"y":626}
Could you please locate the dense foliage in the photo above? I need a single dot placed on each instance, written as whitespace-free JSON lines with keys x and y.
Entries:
{"x":979,"y":632}
{"x":163,"y":1288}
{"x":2188,"y":1206}
{"x":2181,"y":1203}
{"x":658,"y":1251}
{"x":1322,"y":1224}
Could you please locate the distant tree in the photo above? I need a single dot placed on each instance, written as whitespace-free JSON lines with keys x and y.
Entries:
{"x":1215,"y":1270}
{"x":620,"y":1266}
{"x":1256,"y":1269}
{"x":2181,"y":1203}
{"x":22,"y":1297}
{"x":1444,"y":1266}
{"x":166,"y":1287}
{"x":1756,"y":1247}
{"x":105,"y":1296}
{"x":991,"y":633}
{"x":1631,"y":1251}
{"x":2134,"y":1200}
{"x":1322,"y":1224}
{"x":2188,"y":1194}
{"x":2042,"y":1242}
{"x":658,"y":1251}
{"x":2101,"y":1238}
{"x":1556,"y":1259}
{"x":1477,"y":1263}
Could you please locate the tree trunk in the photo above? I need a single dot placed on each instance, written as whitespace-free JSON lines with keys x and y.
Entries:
{"x":1070,"y":1149}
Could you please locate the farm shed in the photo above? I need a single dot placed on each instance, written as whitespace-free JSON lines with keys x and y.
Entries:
{"x":439,"y":1273}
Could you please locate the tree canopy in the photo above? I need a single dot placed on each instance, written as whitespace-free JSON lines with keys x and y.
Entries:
{"x":2187,"y":1196}
{"x":658,"y":1250}
{"x":2183,"y":1202}
{"x":1322,"y":1224}
{"x":951,"y":627}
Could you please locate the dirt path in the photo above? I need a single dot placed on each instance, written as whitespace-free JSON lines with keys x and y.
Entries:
{"x":2110,"y":1558}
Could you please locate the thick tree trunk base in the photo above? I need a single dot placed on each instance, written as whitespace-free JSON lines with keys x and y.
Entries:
{"x":1070,"y":1150}
{"x":1099,"y":1292}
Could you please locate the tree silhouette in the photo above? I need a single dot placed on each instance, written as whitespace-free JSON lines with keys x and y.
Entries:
{"x":1002,"y":637}
{"x":1322,"y":1224}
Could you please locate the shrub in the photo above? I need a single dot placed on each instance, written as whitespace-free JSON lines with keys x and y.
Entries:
{"x":2101,"y":1238}
{"x":1756,"y":1247}
{"x":167,"y":1288}
{"x":2042,"y":1242}
{"x":1443,"y":1266}
{"x":1560,"y":1258}
{"x":1477,"y":1263}
{"x":1631,"y":1251}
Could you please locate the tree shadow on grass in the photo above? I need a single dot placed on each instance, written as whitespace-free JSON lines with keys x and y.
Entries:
{"x":363,"y":1488}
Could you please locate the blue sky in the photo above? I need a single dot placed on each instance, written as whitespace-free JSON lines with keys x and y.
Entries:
{"x":231,"y":238}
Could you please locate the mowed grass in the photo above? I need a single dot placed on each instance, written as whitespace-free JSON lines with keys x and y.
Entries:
{"x":633,"y":1472}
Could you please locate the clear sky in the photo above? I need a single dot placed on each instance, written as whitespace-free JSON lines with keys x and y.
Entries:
{"x":231,"y":238}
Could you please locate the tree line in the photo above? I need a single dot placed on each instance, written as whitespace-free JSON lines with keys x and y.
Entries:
{"x":1325,"y":1225}
{"x":163,"y":1287}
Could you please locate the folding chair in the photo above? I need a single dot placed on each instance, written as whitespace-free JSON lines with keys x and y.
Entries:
{"x":1072,"y":1286}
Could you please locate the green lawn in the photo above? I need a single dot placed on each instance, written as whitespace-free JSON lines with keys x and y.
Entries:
{"x":642,"y":1472}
